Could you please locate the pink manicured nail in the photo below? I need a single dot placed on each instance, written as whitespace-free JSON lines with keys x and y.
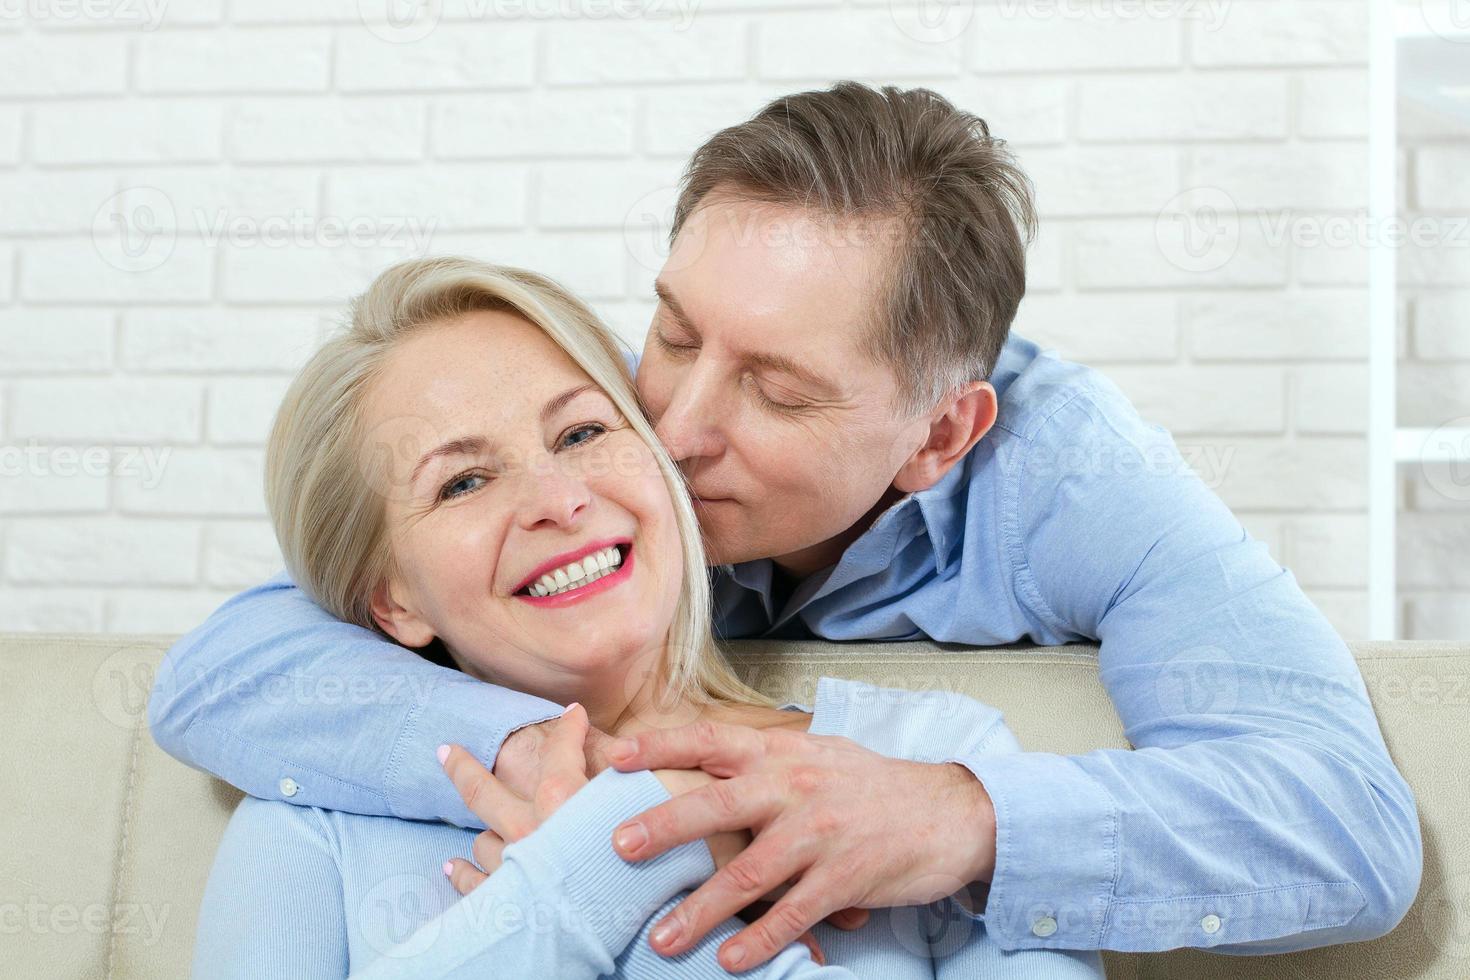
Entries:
{"x":442,"y":753}
{"x":448,"y":868}
{"x":570,"y":707}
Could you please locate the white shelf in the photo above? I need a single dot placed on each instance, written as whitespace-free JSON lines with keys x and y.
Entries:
{"x":1442,"y":445}
{"x":1383,"y":441}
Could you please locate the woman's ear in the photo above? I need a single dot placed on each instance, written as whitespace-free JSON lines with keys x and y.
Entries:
{"x":953,"y":432}
{"x":397,"y":620}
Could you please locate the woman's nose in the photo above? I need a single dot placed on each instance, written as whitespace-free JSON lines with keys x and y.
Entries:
{"x":555,"y":498}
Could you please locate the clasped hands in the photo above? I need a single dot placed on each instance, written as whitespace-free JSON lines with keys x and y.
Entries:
{"x":801,"y":827}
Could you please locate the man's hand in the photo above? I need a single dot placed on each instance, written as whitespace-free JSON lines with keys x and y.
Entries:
{"x":855,"y":827}
{"x":526,"y":758}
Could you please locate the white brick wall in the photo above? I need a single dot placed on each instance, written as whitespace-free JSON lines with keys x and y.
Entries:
{"x":247,"y":133}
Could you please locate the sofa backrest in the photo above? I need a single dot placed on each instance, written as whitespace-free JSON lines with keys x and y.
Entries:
{"x":111,"y":840}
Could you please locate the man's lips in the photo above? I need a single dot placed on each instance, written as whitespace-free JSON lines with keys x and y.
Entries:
{"x":567,"y":557}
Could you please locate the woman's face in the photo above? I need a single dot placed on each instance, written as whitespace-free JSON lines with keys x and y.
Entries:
{"x":535,"y":469}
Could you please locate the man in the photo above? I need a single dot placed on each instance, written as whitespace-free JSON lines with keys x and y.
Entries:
{"x":874,"y":457}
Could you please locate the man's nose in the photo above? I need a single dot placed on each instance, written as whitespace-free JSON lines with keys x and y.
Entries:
{"x":689,"y":428}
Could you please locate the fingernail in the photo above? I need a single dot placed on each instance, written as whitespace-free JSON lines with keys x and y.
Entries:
{"x":666,"y":932}
{"x":448,"y":868}
{"x":631,"y":836}
{"x":621,"y":749}
{"x":570,"y":707}
{"x":734,"y":954}
{"x":443,"y":753}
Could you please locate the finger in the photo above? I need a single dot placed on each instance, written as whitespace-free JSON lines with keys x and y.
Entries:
{"x":754,"y":871}
{"x":717,"y":748}
{"x":795,"y":912}
{"x":741,"y":803}
{"x":849,"y":918}
{"x":465,"y":877}
{"x":809,"y":940}
{"x":487,"y":797}
{"x":487,"y":850}
{"x":565,"y":762}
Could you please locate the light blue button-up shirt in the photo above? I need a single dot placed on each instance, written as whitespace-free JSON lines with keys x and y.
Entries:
{"x":1259,"y":812}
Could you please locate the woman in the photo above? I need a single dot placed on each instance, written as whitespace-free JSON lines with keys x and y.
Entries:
{"x":466,"y":469}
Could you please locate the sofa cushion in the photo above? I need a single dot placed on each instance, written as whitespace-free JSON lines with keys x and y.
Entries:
{"x":112,"y":840}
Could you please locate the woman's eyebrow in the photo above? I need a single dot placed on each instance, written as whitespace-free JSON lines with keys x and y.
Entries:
{"x":463,"y":446}
{"x":560,"y":401}
{"x":469,"y":445}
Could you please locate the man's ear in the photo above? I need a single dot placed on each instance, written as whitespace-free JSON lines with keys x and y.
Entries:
{"x":954,"y":428}
{"x":397,"y":620}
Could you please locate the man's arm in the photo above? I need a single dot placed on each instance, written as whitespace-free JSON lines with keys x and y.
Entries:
{"x":1260,"y":812}
{"x":283,"y":700}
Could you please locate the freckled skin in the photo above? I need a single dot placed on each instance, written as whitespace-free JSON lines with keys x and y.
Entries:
{"x":536,"y":495}
{"x":542,"y":490}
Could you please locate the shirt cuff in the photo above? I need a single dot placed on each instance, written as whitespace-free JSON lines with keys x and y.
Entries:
{"x":454,"y":708}
{"x":1056,"y":852}
{"x":614,"y":896}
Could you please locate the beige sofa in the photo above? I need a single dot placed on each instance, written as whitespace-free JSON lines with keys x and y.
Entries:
{"x":110,"y":840}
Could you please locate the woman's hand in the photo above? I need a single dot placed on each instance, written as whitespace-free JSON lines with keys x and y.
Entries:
{"x":563,"y":760}
{"x":508,"y":816}
{"x":519,"y":763}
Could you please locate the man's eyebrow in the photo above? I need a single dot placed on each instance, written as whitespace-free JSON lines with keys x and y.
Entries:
{"x":766,"y":359}
{"x":469,"y":445}
{"x":666,"y":296}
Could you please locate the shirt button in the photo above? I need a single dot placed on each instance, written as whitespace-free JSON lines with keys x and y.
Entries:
{"x":289,"y":787}
{"x":1044,"y":926}
{"x":1210,"y":924}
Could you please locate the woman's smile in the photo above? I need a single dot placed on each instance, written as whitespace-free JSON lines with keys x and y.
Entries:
{"x":617,"y":571}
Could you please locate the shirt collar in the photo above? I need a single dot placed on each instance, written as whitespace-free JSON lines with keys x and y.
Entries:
{"x":941,"y":509}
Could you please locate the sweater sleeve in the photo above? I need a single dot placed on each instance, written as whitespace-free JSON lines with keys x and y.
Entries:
{"x":249,"y":924}
{"x":563,"y":903}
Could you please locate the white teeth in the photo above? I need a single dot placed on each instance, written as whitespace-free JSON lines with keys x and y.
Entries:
{"x":578,"y":573}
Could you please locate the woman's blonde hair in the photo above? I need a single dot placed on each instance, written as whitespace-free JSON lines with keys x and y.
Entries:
{"x":331,"y":522}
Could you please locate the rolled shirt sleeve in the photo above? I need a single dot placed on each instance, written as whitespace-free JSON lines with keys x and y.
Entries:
{"x":278,"y":697}
{"x":1260,"y":811}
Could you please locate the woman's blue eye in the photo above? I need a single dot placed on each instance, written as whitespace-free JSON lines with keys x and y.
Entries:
{"x":592,"y":427}
{"x":445,"y":492}
{"x":449,"y":490}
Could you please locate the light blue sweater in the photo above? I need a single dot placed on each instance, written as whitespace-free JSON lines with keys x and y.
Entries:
{"x":302,"y":891}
